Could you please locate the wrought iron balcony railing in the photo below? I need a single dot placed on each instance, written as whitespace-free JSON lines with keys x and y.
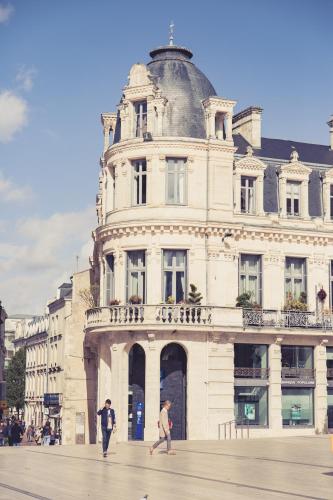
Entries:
{"x":304,"y":374}
{"x":242,"y":372}
{"x":286,"y":319}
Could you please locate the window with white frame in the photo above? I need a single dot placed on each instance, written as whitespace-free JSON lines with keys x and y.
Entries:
{"x":331,"y":201}
{"x":140,"y":110}
{"x":295,"y":278}
{"x":293,"y":197}
{"x":250,"y":277}
{"x":176,"y":181}
{"x":174,"y":274}
{"x":139,"y":196}
{"x":136,"y":275}
{"x":248,"y":201}
{"x":109,"y":278}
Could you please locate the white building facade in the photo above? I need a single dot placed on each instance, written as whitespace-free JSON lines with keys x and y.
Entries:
{"x":191,"y":193}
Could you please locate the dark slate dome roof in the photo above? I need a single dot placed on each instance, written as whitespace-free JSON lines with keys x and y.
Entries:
{"x":185,"y":86}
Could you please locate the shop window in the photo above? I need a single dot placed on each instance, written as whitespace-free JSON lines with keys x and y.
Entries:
{"x":297,"y":406}
{"x":251,"y":361}
{"x":251,"y":405}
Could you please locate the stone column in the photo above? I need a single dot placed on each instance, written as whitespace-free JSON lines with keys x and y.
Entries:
{"x":282,"y":197}
{"x":228,"y":123}
{"x":106,"y":130}
{"x":104,"y":377}
{"x":211,"y":124}
{"x":305,"y":199}
{"x":275,"y":392}
{"x":260,"y":195}
{"x":152,"y":388}
{"x":237,"y":192}
{"x":220,"y":384}
{"x":320,"y":393}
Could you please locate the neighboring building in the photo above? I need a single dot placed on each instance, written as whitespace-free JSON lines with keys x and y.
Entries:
{"x":3,"y":318}
{"x":36,"y":341}
{"x":191,"y":193}
{"x":12,"y":329}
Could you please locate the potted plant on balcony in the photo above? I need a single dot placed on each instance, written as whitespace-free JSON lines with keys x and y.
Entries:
{"x":294,"y":309}
{"x":114,"y":302}
{"x":252,"y":311}
{"x":134,"y":300}
{"x":194,"y":299}
{"x":170,"y":300}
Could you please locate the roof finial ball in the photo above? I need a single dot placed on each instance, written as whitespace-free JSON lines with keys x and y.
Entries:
{"x":171,"y":32}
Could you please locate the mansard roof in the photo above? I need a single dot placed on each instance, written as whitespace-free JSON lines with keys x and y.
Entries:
{"x":280,"y":149}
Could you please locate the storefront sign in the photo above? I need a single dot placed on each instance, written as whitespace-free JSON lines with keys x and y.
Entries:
{"x":298,"y":383}
{"x":51,"y":399}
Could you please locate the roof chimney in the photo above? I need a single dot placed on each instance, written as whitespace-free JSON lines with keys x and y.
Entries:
{"x":248,"y":124}
{"x":330,"y":124}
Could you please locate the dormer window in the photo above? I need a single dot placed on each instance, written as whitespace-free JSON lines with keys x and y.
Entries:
{"x":293,"y":192}
{"x":248,"y":205}
{"x":140,"y":109}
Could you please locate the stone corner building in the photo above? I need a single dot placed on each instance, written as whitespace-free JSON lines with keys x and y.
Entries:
{"x":191,"y":193}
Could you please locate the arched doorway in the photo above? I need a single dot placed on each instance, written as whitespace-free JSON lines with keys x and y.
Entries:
{"x":136,"y":392}
{"x":173,"y":386}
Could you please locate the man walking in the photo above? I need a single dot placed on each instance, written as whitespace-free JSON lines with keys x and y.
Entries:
{"x":165,"y":427}
{"x":108,"y":424}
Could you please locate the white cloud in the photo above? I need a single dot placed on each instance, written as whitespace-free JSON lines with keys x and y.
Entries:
{"x":25,"y":77}
{"x":13,"y":115}
{"x":10,"y":192}
{"x":39,"y":255}
{"x":5,"y":12}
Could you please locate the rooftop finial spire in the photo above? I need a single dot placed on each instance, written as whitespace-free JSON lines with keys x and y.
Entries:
{"x":171,"y":26}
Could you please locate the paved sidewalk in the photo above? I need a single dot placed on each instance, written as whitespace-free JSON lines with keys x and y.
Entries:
{"x":281,"y":468}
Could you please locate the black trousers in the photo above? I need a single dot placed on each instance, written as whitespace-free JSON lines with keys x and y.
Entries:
{"x":106,"y":433}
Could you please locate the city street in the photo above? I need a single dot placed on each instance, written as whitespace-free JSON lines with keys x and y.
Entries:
{"x":282,"y":468}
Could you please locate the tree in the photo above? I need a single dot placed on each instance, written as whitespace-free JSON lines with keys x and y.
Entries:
{"x":194,"y":297}
{"x":15,"y":378}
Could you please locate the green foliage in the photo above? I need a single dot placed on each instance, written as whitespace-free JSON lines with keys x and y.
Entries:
{"x":293,"y":304}
{"x":194,"y":297}
{"x":170,"y":300}
{"x":244,"y":301}
{"x":15,"y":377}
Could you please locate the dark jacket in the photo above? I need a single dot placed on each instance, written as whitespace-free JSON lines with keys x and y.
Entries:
{"x":104,"y":416}
{"x":16,"y":433}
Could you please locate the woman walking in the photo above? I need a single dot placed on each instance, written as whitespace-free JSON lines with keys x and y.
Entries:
{"x":165,"y":428}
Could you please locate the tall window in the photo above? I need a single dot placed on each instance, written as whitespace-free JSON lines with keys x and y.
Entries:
{"x":248,"y":195}
{"x":176,"y":181}
{"x":109,"y":278}
{"x":174,"y":274}
{"x":139,"y":182}
{"x":295,"y":278}
{"x":331,"y":201}
{"x":293,"y":198}
{"x":140,"y":109}
{"x":136,"y":275}
{"x":250,"y":276}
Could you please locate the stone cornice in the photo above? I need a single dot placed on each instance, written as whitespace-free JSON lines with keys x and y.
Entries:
{"x":115,"y":231}
{"x":159,"y":145}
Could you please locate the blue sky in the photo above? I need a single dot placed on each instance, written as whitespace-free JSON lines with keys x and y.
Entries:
{"x":62,"y":63}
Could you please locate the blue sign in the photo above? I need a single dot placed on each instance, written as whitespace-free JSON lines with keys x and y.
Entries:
{"x":139,"y":420}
